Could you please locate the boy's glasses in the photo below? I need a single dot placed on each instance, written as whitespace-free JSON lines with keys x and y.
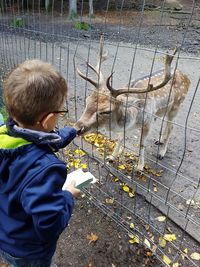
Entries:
{"x":60,"y":112}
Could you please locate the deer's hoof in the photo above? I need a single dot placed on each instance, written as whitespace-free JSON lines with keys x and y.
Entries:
{"x":158,"y":143}
{"x":160,"y":157}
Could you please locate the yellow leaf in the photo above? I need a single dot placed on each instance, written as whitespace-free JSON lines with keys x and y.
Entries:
{"x":92,"y":238}
{"x":131,"y":194}
{"x":155,"y":189}
{"x":170,"y":237}
{"x":125,"y":188}
{"x":162,"y":242}
{"x":131,"y":235}
{"x":146,"y":167}
{"x":109,"y":200}
{"x":195,"y":256}
{"x":158,"y":174}
{"x":79,"y":152}
{"x":134,"y":240}
{"x":154,"y":248}
{"x":161,"y":218}
{"x":84,"y":165}
{"x":166,"y":260}
{"x":132,"y":225}
{"x":147,"y":243}
{"x":121,"y":167}
{"x":149,"y":253}
{"x":75,"y":163}
{"x":175,"y":264}
{"x":185,"y":251}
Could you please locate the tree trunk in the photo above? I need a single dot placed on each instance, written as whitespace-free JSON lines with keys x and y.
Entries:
{"x":47,"y":5}
{"x":72,"y":9}
{"x":91,"y":9}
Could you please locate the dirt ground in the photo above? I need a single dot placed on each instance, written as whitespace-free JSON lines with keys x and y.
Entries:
{"x":112,"y":247}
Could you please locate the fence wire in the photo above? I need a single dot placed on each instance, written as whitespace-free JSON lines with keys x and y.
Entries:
{"x":167,"y":189}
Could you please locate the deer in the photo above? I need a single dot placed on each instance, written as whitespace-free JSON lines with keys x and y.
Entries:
{"x":156,"y":95}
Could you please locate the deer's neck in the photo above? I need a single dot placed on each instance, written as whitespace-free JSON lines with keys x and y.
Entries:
{"x":126,"y":116}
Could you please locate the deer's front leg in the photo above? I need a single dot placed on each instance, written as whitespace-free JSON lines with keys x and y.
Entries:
{"x":140,"y":164}
{"x":118,"y":148}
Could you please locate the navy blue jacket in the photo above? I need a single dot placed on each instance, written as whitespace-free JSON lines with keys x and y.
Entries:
{"x":33,"y":208}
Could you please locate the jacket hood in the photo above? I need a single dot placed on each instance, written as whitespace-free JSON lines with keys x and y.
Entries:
{"x":20,"y":148}
{"x":10,"y":142}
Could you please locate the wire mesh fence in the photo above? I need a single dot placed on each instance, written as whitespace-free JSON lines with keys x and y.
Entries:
{"x":159,"y":204}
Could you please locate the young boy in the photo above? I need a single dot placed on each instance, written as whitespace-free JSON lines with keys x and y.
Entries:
{"x":34,"y":210}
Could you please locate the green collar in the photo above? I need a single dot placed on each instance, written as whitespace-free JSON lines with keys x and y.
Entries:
{"x":10,"y":142}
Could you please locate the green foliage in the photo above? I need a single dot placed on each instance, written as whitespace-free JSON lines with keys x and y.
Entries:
{"x":3,"y":112}
{"x":82,"y":26}
{"x":18,"y":22}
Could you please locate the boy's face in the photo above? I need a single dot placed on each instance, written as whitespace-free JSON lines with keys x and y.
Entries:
{"x":50,"y":120}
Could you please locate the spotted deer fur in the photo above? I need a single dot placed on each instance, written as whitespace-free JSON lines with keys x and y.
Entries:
{"x":135,"y":106}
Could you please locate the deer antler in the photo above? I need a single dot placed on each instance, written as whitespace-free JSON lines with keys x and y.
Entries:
{"x":150,"y":87}
{"x":97,"y":69}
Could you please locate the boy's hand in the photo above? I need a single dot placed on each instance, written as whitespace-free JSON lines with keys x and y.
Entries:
{"x":72,"y":189}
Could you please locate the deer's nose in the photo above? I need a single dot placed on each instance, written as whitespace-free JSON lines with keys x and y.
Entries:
{"x":79,"y":126}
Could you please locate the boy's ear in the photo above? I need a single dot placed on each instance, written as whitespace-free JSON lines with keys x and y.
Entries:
{"x":46,"y":121}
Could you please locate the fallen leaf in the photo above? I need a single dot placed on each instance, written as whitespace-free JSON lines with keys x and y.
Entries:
{"x":147,"y":243}
{"x":162,"y":242}
{"x":154,"y":248}
{"x":75,"y":163}
{"x":195,"y":256}
{"x":175,"y":264}
{"x":170,"y":237}
{"x":79,"y":152}
{"x":132,"y":225}
{"x":134,"y":240}
{"x":166,"y":260}
{"x":121,"y":167}
{"x":193,"y":203}
{"x":131,"y":194}
{"x":125,"y":188}
{"x":149,"y":254}
{"x":155,"y":189}
{"x":92,"y":238}
{"x":161,"y":218}
{"x":84,"y":165}
{"x":109,"y":200}
{"x":131,"y":235}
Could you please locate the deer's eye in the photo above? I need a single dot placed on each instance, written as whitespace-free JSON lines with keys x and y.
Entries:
{"x":105,"y":112}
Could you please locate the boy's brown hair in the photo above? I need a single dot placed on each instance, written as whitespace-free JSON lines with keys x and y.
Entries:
{"x":32,"y":89}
